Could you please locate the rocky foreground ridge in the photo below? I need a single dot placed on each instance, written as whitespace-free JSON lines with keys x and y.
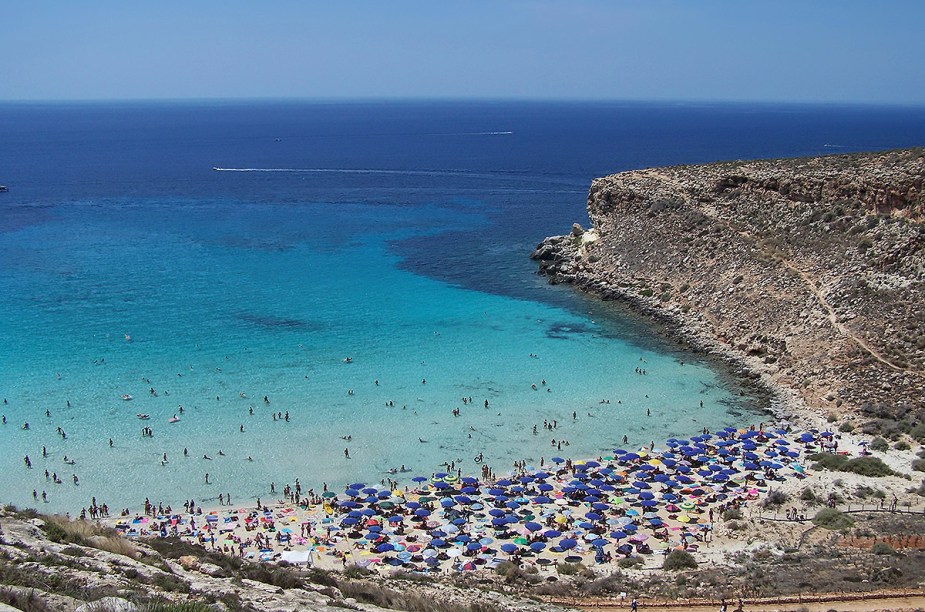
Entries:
{"x":809,"y":272}
{"x":50,"y":563}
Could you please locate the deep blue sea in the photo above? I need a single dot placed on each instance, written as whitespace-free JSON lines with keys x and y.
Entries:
{"x":393,"y":234}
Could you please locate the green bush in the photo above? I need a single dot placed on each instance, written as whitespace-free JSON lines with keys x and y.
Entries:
{"x":919,"y":465}
{"x":918,"y":432}
{"x":867,"y":466}
{"x":882,"y":548}
{"x":631,"y":562}
{"x":902,"y":445}
{"x":830,"y":518}
{"x":679,"y":560}
{"x":775,"y":498}
{"x":846,"y":427}
{"x":807,"y":495}
{"x":569,"y":569}
{"x":827,"y":461}
{"x":732,"y":514}
{"x":879,"y":445}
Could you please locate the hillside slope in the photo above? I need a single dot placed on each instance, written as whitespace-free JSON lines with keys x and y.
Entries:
{"x":810,"y":271}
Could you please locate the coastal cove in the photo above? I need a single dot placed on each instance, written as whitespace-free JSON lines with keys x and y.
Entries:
{"x":131,"y":268}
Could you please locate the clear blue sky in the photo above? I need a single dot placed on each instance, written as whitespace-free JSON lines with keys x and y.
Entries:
{"x":778,"y":50}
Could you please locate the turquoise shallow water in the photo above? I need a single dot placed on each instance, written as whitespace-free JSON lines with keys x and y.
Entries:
{"x":219,"y":320}
{"x":397,"y":235}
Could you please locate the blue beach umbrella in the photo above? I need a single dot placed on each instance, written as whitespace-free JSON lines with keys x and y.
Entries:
{"x":532,"y":526}
{"x":552,"y":533}
{"x":537,"y":546}
{"x":567,"y":543}
{"x":509,"y":547}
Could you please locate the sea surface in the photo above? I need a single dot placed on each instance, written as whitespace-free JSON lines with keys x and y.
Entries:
{"x":362,"y":266}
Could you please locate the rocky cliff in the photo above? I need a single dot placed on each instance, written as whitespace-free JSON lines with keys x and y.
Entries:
{"x":808,"y":271}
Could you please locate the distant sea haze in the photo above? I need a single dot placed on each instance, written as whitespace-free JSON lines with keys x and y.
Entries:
{"x":360,"y":268}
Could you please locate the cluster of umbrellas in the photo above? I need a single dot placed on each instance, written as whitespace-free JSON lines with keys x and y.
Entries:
{"x":629,"y":502}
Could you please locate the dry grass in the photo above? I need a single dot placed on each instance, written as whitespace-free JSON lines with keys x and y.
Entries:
{"x":85,"y":533}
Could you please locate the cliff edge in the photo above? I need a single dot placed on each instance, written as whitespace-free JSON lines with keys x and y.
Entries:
{"x":807,"y":271}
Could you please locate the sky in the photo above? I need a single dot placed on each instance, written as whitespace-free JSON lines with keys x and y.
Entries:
{"x":830,"y":51}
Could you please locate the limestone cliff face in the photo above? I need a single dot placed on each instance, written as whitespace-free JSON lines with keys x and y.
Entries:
{"x":812,"y":270}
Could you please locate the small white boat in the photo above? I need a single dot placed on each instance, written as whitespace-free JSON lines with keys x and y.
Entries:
{"x":174,"y":419}
{"x":127,"y":397}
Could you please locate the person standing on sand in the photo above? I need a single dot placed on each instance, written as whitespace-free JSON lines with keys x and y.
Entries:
{"x":634,"y":605}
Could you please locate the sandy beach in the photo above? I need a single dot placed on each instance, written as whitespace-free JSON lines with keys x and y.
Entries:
{"x":643,"y":503}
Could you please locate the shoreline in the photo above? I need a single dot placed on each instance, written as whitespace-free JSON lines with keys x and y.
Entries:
{"x":550,"y":498}
{"x":688,"y":333}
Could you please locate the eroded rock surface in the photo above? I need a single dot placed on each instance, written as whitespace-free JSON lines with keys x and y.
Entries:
{"x":810,"y":271}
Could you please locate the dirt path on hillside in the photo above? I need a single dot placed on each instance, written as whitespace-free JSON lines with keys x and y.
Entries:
{"x":804,"y":276}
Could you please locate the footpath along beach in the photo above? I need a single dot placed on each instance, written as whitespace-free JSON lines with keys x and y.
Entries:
{"x":644,"y":503}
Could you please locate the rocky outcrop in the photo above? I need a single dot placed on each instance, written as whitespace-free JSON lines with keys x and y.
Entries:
{"x":51,"y":563}
{"x":809,"y":271}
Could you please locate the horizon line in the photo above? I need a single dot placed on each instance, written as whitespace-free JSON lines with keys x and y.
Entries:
{"x":447,"y":99}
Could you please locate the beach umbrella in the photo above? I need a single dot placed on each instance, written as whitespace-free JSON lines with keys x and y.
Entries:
{"x":469,"y":480}
{"x":567,"y":543}
{"x":385,"y":547}
{"x":509,"y":548}
{"x":545,"y":486}
{"x":422,"y":512}
{"x":473,"y":546}
{"x":496,"y":512}
{"x":599,"y":543}
{"x":537,"y":546}
{"x":531,"y":526}
{"x":552,"y":533}
{"x":593,"y":516}
{"x":542,"y":499}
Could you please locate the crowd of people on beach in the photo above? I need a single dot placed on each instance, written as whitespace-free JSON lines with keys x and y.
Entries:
{"x":632,"y":502}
